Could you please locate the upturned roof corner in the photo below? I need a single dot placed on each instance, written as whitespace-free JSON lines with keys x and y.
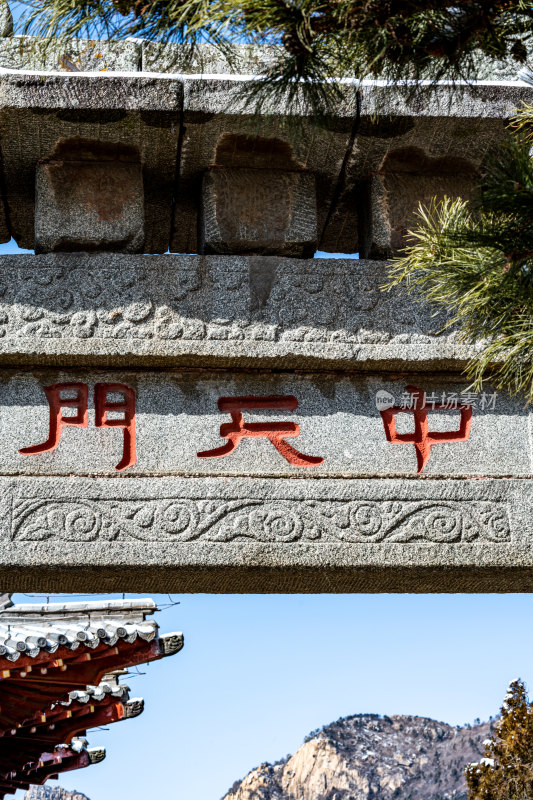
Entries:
{"x":60,"y":665}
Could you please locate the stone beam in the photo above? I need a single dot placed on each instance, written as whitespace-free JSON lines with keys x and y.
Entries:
{"x":215,"y":311}
{"x":323,"y":496}
{"x":370,"y":173}
{"x":39,"y":112}
{"x":408,"y":151}
{"x":178,"y":415}
{"x":75,"y":55}
{"x":220,"y":130}
{"x":264,"y":535}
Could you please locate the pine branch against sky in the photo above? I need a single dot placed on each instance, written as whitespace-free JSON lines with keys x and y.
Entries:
{"x":506,"y":771}
{"x":393,"y":39}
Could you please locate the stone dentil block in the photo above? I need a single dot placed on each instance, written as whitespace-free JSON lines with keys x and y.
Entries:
{"x":89,"y":197}
{"x":255,"y":211}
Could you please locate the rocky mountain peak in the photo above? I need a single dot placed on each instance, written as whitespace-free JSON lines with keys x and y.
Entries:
{"x":368,"y":757}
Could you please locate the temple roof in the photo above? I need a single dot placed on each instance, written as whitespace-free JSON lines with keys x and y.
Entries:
{"x":32,"y":629}
{"x":60,"y":665}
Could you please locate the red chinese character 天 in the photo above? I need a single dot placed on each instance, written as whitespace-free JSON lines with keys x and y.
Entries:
{"x":275,"y":432}
{"x":422,"y":438}
{"x":58,"y":420}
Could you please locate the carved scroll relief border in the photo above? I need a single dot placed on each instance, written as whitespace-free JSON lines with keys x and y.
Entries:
{"x":183,"y":520}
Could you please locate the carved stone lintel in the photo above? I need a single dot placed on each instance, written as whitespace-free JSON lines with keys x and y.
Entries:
{"x":263,"y":520}
{"x":243,"y":534}
{"x":73,"y":308}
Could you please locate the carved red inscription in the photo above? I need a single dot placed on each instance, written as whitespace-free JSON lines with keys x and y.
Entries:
{"x":422,"y":438}
{"x":57,"y":420}
{"x":102,"y":405}
{"x":275,"y":432}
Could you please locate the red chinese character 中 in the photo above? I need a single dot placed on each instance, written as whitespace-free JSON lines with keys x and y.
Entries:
{"x":102,"y":405}
{"x":275,"y":432}
{"x":422,"y":438}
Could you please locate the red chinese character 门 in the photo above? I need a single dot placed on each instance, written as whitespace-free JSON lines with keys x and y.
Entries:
{"x":422,"y":438}
{"x":275,"y":432}
{"x":57,"y":420}
{"x":102,"y":406}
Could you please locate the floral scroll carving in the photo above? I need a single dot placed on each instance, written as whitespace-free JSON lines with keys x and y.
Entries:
{"x":185,"y":520}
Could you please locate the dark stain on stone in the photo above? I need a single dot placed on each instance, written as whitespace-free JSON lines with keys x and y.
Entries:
{"x":413,"y":160}
{"x":88,"y":116}
{"x":80,"y":149}
{"x":262,"y":275}
{"x":160,"y":119}
{"x":103,"y":176}
{"x":385,"y":127}
{"x":198,"y":117}
{"x":334,"y":124}
{"x":255,"y":152}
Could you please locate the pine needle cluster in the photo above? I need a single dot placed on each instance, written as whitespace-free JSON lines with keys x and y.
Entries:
{"x":506,"y":771}
{"x":475,"y":260}
{"x":396,"y":40}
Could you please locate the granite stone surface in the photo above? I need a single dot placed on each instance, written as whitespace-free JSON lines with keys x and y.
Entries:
{"x":223,"y":422}
{"x":258,"y":211}
{"x":28,"y":52}
{"x":252,"y":59}
{"x":6,"y":19}
{"x":264,"y":535}
{"x":226,"y":311}
{"x":76,"y":55}
{"x":5,"y":234}
{"x":38,"y":112}
{"x":370,"y":170}
{"x":243,"y":59}
{"x":220,"y":129}
{"x":329,"y":418}
{"x":378,"y":167}
{"x":407,"y":151}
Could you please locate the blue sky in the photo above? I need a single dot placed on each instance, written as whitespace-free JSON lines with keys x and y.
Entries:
{"x":258,"y":672}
